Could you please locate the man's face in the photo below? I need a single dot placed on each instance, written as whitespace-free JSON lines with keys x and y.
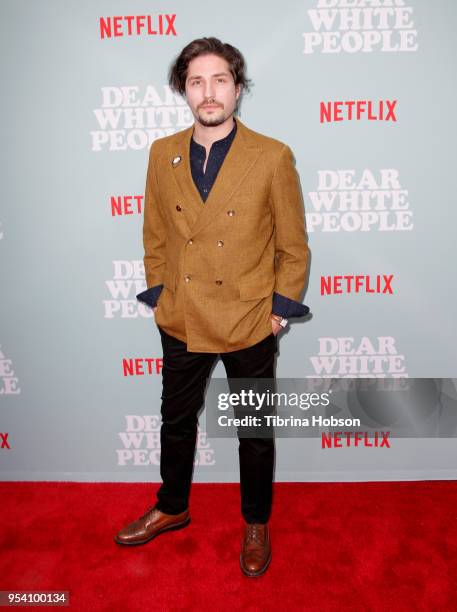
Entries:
{"x":211,"y":92}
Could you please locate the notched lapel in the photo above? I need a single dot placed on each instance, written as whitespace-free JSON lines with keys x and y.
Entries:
{"x":182,"y":173}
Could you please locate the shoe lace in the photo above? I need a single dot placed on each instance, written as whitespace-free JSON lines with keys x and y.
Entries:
{"x":254,"y":532}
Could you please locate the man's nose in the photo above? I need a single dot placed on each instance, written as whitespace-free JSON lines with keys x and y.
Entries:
{"x":209,"y":89}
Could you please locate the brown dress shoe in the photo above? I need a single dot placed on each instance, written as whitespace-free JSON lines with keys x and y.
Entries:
{"x":150,"y":525}
{"x":255,"y":549}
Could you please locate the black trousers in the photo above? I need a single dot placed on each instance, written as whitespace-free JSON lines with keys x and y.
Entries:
{"x":184,"y":377}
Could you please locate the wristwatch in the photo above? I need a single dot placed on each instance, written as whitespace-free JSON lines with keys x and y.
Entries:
{"x":281,"y":320}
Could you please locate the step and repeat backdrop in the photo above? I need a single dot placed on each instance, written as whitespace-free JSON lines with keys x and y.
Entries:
{"x":362,"y":91}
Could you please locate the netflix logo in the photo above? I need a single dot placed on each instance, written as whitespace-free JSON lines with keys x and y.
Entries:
{"x":352,"y":201}
{"x":360,"y":26}
{"x":4,"y":444}
{"x":364,"y":358}
{"x":126,"y":205}
{"x":355,"y":110}
{"x":357,"y":283}
{"x":141,"y":443}
{"x":142,"y":366}
{"x":358,"y":439}
{"x":137,"y":25}
{"x":8,"y":381}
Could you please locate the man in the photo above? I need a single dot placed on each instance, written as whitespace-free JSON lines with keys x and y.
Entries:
{"x":226,"y":258}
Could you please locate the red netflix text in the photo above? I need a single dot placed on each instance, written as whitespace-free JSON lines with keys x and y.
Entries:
{"x":381,"y":110}
{"x":4,"y":441}
{"x":357,"y":283}
{"x":137,"y":25}
{"x":126,"y":205}
{"x":341,"y":439}
{"x":142,"y":366}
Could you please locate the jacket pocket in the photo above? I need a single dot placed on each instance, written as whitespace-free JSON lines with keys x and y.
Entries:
{"x":256,"y":289}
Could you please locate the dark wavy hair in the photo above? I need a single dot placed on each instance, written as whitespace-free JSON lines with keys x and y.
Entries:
{"x":203,"y":46}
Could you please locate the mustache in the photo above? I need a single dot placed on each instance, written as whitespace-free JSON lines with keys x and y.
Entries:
{"x":211,"y":104}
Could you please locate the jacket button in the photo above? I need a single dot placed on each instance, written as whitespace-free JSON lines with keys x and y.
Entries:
{"x":190,"y":241}
{"x":218,"y":282}
{"x":230,"y":213}
{"x":178,"y":208}
{"x":220,"y":243}
{"x":187,"y":278}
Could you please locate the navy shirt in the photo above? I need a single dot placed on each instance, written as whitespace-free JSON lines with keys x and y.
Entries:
{"x":217,"y":153}
{"x":204,"y":181}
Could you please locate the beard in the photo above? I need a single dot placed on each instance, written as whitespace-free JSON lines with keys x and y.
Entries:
{"x":213,"y":120}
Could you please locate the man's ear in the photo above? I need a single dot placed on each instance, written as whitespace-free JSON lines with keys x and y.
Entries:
{"x":237,"y":90}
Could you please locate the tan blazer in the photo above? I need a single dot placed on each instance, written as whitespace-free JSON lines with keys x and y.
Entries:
{"x":221,"y":261}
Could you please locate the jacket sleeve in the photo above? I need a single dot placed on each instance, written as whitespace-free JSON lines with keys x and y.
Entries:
{"x":154,"y":229}
{"x":291,"y":245}
{"x":286,"y":308}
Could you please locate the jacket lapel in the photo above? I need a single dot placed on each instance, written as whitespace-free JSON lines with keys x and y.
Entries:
{"x":182,"y":172}
{"x":239,"y":160}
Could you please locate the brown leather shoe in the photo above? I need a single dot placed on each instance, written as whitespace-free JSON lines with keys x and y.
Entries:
{"x":255,"y":549}
{"x":150,"y":525}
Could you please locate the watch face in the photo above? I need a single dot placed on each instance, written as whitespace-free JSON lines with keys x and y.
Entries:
{"x":283,"y":323}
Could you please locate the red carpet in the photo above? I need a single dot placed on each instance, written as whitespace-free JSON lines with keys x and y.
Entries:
{"x":336,"y":546}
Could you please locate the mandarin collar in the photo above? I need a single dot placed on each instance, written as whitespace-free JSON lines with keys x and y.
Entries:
{"x":217,"y":143}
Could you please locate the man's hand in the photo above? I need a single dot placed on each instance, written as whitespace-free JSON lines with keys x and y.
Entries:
{"x":276,"y":328}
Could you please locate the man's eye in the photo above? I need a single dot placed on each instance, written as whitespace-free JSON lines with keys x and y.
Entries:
{"x":195,"y":82}
{"x":221,"y":80}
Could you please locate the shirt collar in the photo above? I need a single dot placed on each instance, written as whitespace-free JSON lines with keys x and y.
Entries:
{"x":217,"y":143}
